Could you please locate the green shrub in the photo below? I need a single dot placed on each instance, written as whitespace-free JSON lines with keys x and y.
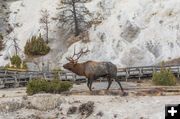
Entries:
{"x":36,"y":46}
{"x":55,"y":72}
{"x":16,"y":61}
{"x":24,"y":65}
{"x":41,"y":85}
{"x":36,"y":86}
{"x":165,"y":77}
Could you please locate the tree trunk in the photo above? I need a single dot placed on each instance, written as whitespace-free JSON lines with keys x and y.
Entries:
{"x":15,"y":46}
{"x":47,"y":33}
{"x":75,"y":19}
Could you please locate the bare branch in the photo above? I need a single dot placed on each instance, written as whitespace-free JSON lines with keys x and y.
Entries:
{"x":82,"y":1}
{"x":44,"y":20}
{"x":67,"y":2}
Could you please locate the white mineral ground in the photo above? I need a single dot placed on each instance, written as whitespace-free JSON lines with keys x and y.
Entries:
{"x":14,"y":104}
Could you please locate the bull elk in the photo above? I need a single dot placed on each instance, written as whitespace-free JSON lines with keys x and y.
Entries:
{"x":92,"y":70}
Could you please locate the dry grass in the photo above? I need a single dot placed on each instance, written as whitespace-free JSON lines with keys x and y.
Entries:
{"x":84,"y":37}
{"x":173,"y":62}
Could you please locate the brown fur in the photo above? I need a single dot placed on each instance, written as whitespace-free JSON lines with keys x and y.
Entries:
{"x":93,"y":70}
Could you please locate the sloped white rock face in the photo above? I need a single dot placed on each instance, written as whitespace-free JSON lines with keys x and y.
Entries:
{"x":3,"y":16}
{"x":136,"y":32}
{"x":132,"y":32}
{"x":24,"y":19}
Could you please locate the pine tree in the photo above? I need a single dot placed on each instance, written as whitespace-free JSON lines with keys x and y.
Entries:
{"x":73,"y":14}
{"x":36,"y":46}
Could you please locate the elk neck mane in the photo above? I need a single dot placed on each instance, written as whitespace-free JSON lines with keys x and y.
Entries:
{"x":79,"y":69}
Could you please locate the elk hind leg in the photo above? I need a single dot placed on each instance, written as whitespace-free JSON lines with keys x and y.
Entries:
{"x":119,"y":84}
{"x":88,"y":84}
{"x":91,"y":81}
{"x":124,"y":93}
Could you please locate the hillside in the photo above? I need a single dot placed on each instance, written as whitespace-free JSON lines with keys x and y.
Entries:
{"x":131,"y":33}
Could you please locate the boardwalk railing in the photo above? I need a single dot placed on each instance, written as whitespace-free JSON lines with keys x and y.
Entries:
{"x":145,"y":71}
{"x":13,"y":78}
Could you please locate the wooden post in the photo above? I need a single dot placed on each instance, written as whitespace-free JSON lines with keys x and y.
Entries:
{"x":140,"y":73}
{"x":178,"y":71}
{"x":59,"y":75}
{"x":154,"y":69}
{"x":127,"y":74}
{"x":75,"y":76}
{"x":21,"y":65}
{"x":66,"y":76}
{"x":44,"y":76}
{"x":30,"y":77}
{"x":16,"y":83}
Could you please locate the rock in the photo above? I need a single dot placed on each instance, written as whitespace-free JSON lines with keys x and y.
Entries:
{"x":45,"y":101}
{"x":72,"y":110}
{"x":115,"y":115}
{"x":100,"y":114}
{"x":11,"y":105}
{"x":86,"y":108}
{"x":130,"y":32}
{"x":25,"y":97}
{"x":3,"y":95}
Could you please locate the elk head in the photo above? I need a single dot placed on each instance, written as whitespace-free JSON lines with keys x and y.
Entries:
{"x":74,"y":61}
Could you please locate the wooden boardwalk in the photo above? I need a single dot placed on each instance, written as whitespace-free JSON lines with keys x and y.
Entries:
{"x":11,"y":78}
{"x":145,"y":72}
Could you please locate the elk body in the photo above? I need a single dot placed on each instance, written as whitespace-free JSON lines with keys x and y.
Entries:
{"x":92,"y":70}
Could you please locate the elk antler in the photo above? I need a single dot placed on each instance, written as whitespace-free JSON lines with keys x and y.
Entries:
{"x":79,"y":54}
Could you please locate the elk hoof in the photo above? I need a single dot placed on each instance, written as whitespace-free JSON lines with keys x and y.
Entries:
{"x":125,"y":94}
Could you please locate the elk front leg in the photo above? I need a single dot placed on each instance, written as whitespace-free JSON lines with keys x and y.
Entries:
{"x":109,"y":82}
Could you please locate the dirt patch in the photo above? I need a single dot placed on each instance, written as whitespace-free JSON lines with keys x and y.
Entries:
{"x":173,"y":62}
{"x":84,"y":37}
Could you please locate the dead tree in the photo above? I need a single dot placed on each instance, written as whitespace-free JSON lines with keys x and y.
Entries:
{"x":92,"y":70}
{"x":2,"y":45}
{"x":73,"y":15}
{"x":14,"y":43}
{"x":44,"y":20}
